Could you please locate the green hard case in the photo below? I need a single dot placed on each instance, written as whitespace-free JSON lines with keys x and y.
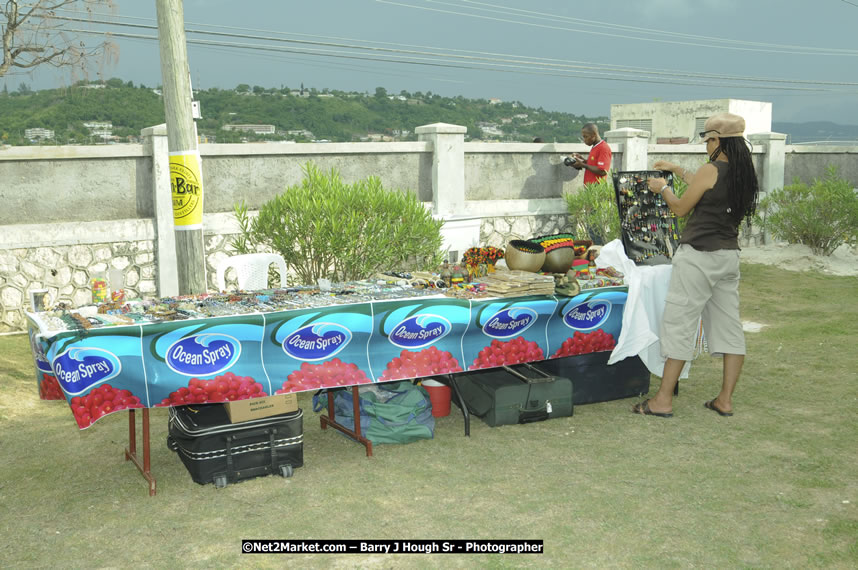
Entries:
{"x":515,"y":395}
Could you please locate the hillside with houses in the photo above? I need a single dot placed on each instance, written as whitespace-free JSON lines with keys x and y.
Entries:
{"x":115,"y":111}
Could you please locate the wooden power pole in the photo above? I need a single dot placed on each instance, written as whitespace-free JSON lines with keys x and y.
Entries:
{"x":185,"y":167}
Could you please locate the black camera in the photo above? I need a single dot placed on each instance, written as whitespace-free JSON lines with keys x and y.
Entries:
{"x":569,"y":161}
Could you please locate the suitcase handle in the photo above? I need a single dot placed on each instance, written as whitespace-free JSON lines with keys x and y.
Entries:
{"x":247,"y":434}
{"x":270,"y":432}
{"x":542,"y":376}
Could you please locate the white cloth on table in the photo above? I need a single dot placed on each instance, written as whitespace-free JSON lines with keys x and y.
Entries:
{"x":644,"y":308}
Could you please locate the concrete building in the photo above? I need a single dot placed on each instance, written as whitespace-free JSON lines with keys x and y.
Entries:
{"x":678,"y":122}
{"x":258,"y":129}
{"x":103,"y":129}
{"x":301,"y":133}
{"x":38,"y":134}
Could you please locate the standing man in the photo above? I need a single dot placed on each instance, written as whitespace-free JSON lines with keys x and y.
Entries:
{"x":598,"y":162}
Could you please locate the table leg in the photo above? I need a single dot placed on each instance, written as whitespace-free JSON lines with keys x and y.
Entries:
{"x":131,"y":451}
{"x":331,"y":420}
{"x":462,"y":405}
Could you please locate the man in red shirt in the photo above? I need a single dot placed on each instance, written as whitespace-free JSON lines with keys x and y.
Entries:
{"x":598,"y":162}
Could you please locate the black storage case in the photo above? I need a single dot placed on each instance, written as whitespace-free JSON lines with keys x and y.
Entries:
{"x":647,"y":226}
{"x":514,"y":395}
{"x":217,"y":451}
{"x":595,"y":381}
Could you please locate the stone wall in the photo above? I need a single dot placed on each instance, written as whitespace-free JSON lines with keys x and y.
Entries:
{"x":69,"y":212}
{"x":810,"y":162}
{"x":499,"y":231}
{"x":65,"y":271}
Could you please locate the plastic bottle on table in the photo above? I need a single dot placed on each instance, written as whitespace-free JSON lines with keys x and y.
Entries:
{"x":100,"y":290}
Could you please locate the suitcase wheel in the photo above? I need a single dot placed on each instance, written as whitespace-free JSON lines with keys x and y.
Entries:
{"x":220,"y":481}
{"x":286,"y":470}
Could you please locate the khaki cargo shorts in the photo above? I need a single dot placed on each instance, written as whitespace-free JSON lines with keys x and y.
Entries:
{"x":702,"y":284}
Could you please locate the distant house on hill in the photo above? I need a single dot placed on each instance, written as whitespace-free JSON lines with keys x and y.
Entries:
{"x":495,"y":101}
{"x":257,"y":129}
{"x":103,"y":129}
{"x":490,"y":129}
{"x":37,"y":134}
{"x":301,"y":133}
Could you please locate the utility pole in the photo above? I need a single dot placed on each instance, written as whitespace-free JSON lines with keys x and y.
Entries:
{"x":185,"y":168}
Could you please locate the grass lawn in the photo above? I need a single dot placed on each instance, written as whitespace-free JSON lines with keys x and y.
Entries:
{"x":775,"y":486}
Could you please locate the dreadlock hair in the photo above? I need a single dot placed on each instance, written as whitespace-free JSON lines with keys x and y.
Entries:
{"x":742,"y":185}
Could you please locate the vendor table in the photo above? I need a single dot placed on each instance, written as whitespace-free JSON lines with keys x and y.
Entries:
{"x":103,"y":370}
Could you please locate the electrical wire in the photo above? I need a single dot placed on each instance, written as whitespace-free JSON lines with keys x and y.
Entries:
{"x":639,"y":30}
{"x":585,"y":65}
{"x":783,"y":50}
{"x":491,"y":60}
{"x":485,"y":66}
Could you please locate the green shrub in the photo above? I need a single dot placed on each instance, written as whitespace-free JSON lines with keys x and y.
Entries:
{"x":822,"y":216}
{"x":594,"y":211}
{"x":343,"y":232}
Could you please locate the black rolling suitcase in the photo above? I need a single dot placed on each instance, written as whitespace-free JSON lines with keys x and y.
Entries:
{"x":595,"y":381}
{"x":515,"y":395}
{"x":217,"y":451}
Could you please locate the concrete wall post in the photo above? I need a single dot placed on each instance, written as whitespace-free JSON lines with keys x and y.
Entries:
{"x":634,"y":144}
{"x":771,"y":173}
{"x":448,"y":166}
{"x":167,"y":274}
{"x":448,"y":185}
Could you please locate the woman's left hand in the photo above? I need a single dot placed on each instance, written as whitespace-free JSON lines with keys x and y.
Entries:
{"x":656,"y":184}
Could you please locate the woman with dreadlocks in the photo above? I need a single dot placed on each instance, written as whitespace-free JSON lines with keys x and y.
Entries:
{"x":704,"y":281}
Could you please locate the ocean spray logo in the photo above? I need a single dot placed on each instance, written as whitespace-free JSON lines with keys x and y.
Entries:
{"x":317,"y":341}
{"x":419,"y":331}
{"x":203,"y":354}
{"x":79,"y":369}
{"x":588,"y":315}
{"x":44,"y":366}
{"x":509,"y":322}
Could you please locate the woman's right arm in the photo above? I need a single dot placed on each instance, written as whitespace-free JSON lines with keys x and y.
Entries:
{"x":703,"y":180}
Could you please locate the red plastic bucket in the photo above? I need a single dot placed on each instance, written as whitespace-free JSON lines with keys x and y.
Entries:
{"x":439,"y":394}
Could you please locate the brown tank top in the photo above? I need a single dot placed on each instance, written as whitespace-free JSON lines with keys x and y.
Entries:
{"x":710,"y":226}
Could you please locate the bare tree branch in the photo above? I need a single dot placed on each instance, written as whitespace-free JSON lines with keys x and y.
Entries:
{"x":33,"y":36}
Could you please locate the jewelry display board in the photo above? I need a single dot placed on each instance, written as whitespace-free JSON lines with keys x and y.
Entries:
{"x":648,"y":228}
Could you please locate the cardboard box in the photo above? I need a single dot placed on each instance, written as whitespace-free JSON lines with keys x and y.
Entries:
{"x":244,"y":410}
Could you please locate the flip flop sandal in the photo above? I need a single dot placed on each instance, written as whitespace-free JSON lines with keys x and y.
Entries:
{"x":643,"y":409}
{"x":711,"y":405}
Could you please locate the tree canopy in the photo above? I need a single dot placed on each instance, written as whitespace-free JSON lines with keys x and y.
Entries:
{"x":33,"y":34}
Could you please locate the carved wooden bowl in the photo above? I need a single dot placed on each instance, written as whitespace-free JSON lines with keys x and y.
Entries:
{"x":559,"y":259}
{"x":524,"y":255}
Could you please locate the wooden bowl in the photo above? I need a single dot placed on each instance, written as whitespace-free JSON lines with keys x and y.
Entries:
{"x":524,"y":255}
{"x":586,"y":244}
{"x":559,"y":259}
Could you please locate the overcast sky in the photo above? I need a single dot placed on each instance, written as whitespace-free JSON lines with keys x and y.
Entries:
{"x":565,"y":55}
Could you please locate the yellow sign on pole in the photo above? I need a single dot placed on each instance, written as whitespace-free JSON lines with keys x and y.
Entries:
{"x":186,"y":182}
